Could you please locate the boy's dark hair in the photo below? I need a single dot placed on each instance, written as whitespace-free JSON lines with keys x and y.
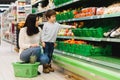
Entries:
{"x":30,"y":23}
{"x":49,"y":13}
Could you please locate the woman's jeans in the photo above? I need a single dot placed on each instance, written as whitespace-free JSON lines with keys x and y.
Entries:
{"x":48,"y":50}
{"x":34,"y":51}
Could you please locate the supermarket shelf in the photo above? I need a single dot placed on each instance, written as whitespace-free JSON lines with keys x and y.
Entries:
{"x":67,"y":3}
{"x":36,"y":3}
{"x":82,"y":38}
{"x":92,"y":17}
{"x":9,"y":41}
{"x":62,"y":5}
{"x":91,"y":38}
{"x":79,"y":19}
{"x":111,"y":15}
{"x":73,"y":69}
{"x":86,"y":69}
{"x":111,"y":39}
{"x":117,"y":66}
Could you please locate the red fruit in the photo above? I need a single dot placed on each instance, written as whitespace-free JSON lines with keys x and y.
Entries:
{"x":67,"y":30}
{"x":75,"y":12}
{"x":65,"y":34}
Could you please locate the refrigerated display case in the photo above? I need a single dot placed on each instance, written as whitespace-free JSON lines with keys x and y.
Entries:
{"x":99,"y":58}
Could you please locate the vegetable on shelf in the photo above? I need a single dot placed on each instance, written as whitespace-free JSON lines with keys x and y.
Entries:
{"x":65,"y":32}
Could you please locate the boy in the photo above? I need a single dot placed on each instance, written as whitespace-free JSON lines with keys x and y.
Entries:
{"x":49,"y":35}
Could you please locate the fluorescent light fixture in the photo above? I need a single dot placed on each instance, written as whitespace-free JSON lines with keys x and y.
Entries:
{"x":4,"y":5}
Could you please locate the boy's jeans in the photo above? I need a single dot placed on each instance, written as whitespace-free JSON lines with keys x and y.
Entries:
{"x":48,"y":50}
{"x":34,"y":51}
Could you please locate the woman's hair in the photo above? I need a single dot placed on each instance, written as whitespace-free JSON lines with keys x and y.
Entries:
{"x":30,"y":23}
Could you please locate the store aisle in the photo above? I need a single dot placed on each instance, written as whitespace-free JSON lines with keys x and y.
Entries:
{"x":7,"y":56}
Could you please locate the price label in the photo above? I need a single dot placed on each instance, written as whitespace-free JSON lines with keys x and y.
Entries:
{"x":93,"y":38}
{"x":68,"y":54}
{"x":69,"y":20}
{"x":73,"y":19}
{"x":98,"y":16}
{"x":88,"y":59}
{"x":108,"y":39}
{"x":91,"y":17}
{"x":73,"y":54}
{"x":63,"y":52}
{"x":102,"y":16}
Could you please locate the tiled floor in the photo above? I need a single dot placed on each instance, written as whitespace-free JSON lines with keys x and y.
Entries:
{"x":7,"y":56}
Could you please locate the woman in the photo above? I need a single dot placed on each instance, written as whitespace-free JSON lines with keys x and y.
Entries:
{"x":29,"y":40}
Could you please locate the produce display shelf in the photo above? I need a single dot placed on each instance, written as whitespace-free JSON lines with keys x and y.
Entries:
{"x":91,"y":38}
{"x":62,"y":5}
{"x":88,"y":70}
{"x":111,"y":39}
{"x":67,"y":3}
{"x":82,"y":38}
{"x":91,"y":17}
{"x":107,"y":61}
{"x":90,"y":67}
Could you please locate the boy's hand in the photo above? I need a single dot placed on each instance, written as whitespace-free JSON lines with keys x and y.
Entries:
{"x":55,"y":44}
{"x":73,"y":27}
{"x":43,"y":44}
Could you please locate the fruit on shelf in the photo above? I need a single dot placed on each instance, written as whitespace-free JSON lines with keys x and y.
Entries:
{"x":72,"y":41}
{"x":100,"y":11}
{"x":64,"y":11}
{"x":89,"y":10}
{"x":78,"y":24}
{"x":81,"y":24}
{"x":114,"y":8}
{"x":57,"y":12}
{"x":75,"y":12}
{"x":65,"y":32}
{"x":70,"y":33}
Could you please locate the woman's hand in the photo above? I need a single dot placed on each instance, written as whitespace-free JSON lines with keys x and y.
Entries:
{"x":34,"y":45}
{"x":43,"y":44}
